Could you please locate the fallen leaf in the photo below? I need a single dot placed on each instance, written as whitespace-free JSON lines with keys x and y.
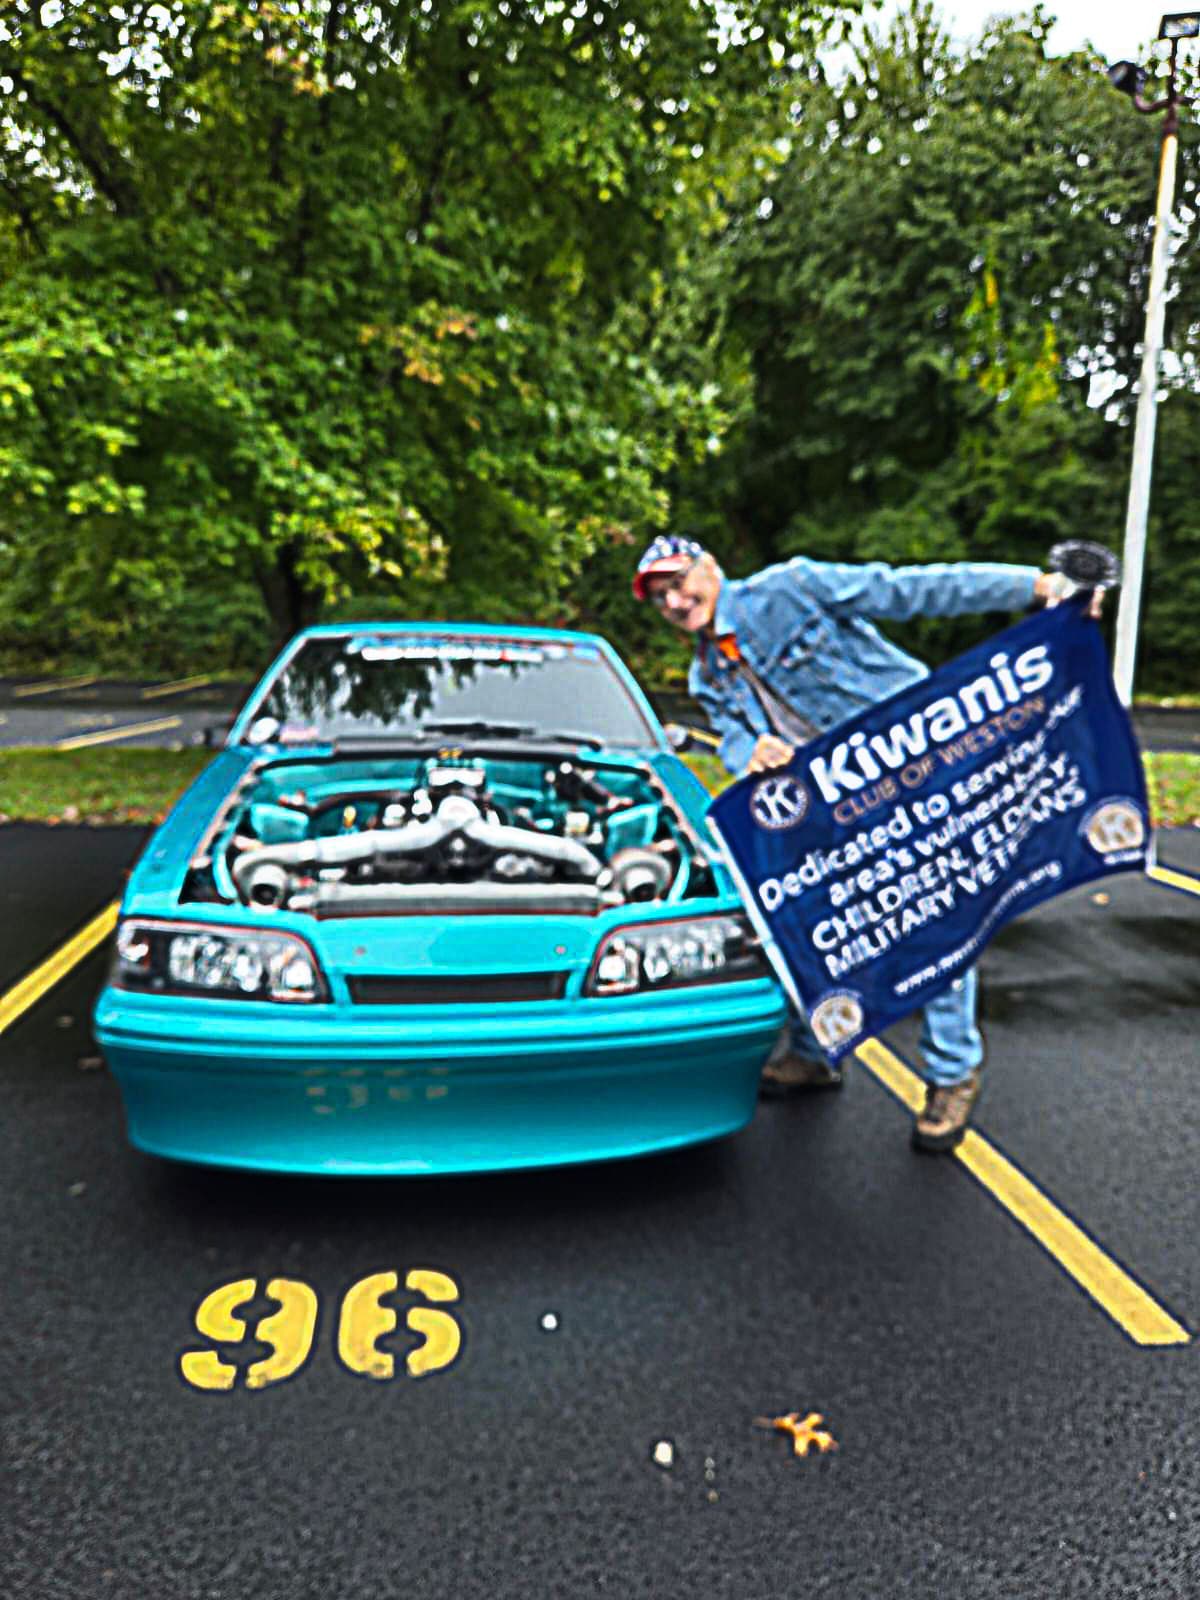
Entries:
{"x":64,"y":1020}
{"x":90,"y":1063}
{"x":1100,"y":899}
{"x":805,"y":1431}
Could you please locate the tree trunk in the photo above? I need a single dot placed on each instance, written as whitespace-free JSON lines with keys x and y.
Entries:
{"x":290,"y":605}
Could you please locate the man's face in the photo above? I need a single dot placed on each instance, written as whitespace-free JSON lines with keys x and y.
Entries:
{"x":688,"y":597}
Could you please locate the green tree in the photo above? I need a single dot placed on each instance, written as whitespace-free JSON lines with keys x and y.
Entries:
{"x":954,"y":251}
{"x":357,"y":298}
{"x":1168,"y":659}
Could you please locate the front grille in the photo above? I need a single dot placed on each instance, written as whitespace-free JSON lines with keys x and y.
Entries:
{"x":466,"y":990}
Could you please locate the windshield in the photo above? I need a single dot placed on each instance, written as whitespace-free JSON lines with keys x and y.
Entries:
{"x":366,"y":685}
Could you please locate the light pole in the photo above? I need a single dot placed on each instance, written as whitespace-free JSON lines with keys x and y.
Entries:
{"x":1131,"y":80}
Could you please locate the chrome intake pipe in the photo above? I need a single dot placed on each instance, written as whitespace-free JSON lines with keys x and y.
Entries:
{"x":262,"y":876}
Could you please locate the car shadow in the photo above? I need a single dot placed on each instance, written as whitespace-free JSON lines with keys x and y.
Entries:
{"x":604,"y":1189}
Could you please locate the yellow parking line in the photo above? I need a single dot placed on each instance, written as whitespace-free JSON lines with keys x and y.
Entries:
{"x":36,"y":983}
{"x":55,"y":686}
{"x":1097,"y":1274}
{"x":177,"y":687}
{"x":1176,"y":880}
{"x":128,"y":731}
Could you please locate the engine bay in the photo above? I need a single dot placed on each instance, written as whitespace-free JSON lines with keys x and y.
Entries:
{"x":449,"y":833}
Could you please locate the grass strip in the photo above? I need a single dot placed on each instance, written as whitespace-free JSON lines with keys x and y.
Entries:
{"x":96,"y":785}
{"x":102,"y":785}
{"x":1173,"y":784}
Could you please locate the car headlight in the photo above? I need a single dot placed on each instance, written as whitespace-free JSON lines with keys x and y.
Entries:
{"x":677,"y":954}
{"x":232,"y":963}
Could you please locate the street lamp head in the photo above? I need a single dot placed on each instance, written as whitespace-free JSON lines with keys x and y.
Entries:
{"x":1180,"y":25}
{"x":1128,"y":77}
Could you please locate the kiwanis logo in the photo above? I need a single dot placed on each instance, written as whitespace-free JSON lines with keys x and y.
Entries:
{"x":1114,"y":826}
{"x":837,"y":1019}
{"x":779,"y":802}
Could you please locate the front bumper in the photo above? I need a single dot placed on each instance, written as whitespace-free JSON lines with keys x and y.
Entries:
{"x":423,"y":1090}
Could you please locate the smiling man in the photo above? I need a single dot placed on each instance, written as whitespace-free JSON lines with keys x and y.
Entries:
{"x":790,"y":652}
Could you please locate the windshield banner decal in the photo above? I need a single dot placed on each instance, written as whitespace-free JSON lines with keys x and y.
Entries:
{"x":882,"y":859}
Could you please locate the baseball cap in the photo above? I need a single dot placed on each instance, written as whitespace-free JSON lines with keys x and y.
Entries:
{"x":668,"y":553}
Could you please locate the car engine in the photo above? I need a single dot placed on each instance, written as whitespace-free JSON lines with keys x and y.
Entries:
{"x":454,"y":835}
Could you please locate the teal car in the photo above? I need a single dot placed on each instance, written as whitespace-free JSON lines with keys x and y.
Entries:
{"x":445,"y":902}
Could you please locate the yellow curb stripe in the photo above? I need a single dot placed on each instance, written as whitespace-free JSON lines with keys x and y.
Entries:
{"x":892,"y":1073}
{"x":43,"y":978}
{"x":53,"y":688}
{"x":177,"y":687}
{"x":129,"y":730}
{"x":1176,"y":880}
{"x":1097,"y":1274}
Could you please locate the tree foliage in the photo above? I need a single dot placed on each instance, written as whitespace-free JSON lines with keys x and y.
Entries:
{"x":312,"y":307}
{"x":349,"y":296}
{"x":956,"y":255}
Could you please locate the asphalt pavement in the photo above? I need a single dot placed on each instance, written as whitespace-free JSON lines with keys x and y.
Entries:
{"x":998,"y":1434}
{"x":72,"y":713}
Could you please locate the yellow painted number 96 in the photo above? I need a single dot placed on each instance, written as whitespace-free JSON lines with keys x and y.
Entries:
{"x":363,"y":1322}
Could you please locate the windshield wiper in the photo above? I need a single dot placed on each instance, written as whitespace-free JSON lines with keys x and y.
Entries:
{"x":477,"y":725}
{"x":425,"y":733}
{"x":573,"y":736}
{"x":513,"y":730}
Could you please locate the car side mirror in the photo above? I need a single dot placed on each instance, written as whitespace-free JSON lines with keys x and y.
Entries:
{"x":681,"y":737}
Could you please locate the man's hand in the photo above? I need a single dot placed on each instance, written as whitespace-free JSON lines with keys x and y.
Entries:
{"x":1051,"y":587}
{"x":769,"y":752}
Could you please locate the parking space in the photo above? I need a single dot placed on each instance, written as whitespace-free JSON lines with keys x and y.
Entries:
{"x":1090,"y":1009}
{"x":999,"y":1432}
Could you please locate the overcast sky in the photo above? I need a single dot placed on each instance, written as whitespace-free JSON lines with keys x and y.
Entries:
{"x":1119,"y":29}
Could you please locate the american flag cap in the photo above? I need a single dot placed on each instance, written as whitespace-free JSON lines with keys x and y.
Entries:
{"x":667,"y":553}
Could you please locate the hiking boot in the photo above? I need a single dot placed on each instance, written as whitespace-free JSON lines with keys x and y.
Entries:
{"x":788,"y":1072}
{"x":943,"y":1121}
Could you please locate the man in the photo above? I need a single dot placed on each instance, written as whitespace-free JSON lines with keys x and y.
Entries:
{"x":788,"y":653}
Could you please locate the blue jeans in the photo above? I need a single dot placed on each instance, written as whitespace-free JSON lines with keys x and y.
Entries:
{"x":951,"y":1044}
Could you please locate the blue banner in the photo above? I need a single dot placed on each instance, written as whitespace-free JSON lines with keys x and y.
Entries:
{"x":880,"y":861}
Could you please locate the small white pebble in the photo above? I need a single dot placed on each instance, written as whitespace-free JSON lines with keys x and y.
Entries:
{"x":664,"y":1453}
{"x":76,"y":1189}
{"x":549,"y":1322}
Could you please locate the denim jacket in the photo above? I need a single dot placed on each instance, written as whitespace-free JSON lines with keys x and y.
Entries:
{"x":803,"y":627}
